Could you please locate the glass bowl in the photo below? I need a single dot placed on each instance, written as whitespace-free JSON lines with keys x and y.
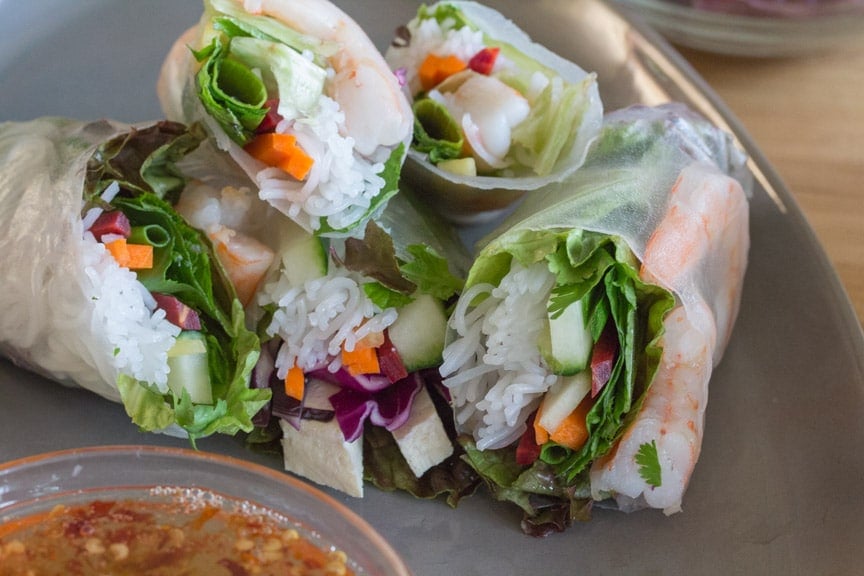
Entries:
{"x":37,"y":484}
{"x":759,"y":28}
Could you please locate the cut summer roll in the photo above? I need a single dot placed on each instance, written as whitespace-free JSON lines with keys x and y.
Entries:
{"x":107,"y":287}
{"x":299,"y":96}
{"x":355,"y":333}
{"x":493,"y":110}
{"x":583,"y":343}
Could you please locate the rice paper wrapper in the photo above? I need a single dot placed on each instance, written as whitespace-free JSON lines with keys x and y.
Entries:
{"x":351,"y":116}
{"x":625,"y":189}
{"x":673,"y":189}
{"x":477,"y":199}
{"x":76,"y":316}
{"x":45,"y":290}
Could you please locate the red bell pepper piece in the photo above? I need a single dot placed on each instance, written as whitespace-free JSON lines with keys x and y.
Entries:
{"x":177,"y":312}
{"x":390,"y":362}
{"x":272,"y":119}
{"x":484,"y":61}
{"x":528,"y":451}
{"x":603,"y":358}
{"x":111,"y":222}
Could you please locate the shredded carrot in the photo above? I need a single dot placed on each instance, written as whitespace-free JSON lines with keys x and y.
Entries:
{"x":573,"y":431}
{"x":132,"y":256}
{"x":119,"y":250}
{"x":140,"y":256}
{"x":295,"y":383}
{"x":436,"y":69}
{"x":282,"y":151}
{"x":361,"y":360}
{"x":541,"y":435}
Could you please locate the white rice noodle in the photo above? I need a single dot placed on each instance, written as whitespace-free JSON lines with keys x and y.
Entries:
{"x":115,"y":329}
{"x":431,"y":38}
{"x":316,"y":319}
{"x":340,"y":186}
{"x":493,"y":368}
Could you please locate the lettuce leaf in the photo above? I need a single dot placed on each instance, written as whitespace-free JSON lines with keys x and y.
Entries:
{"x":184,"y":266}
{"x":144,"y":160}
{"x":230,"y":91}
{"x":430,"y":272}
{"x":602,"y":269}
{"x":436,"y":132}
{"x":550,"y":129}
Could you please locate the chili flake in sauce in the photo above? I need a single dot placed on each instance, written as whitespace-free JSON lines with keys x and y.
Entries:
{"x":131,"y":537}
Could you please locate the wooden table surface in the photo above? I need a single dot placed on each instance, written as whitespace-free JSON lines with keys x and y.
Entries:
{"x":807,"y":116}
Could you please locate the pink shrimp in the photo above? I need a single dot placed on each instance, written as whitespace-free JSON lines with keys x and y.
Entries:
{"x":377,"y":112}
{"x":699,"y":250}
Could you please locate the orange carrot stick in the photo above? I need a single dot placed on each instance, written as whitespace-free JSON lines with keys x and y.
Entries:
{"x":295,"y":383}
{"x":436,"y":69}
{"x":573,"y":431}
{"x":282,"y":151}
{"x":361,"y":360}
{"x":140,"y":256}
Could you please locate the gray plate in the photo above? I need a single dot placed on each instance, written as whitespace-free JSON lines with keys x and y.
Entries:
{"x":777,"y":488}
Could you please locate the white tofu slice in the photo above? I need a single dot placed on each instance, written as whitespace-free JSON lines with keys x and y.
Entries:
{"x":319,"y":452}
{"x":422,"y":439}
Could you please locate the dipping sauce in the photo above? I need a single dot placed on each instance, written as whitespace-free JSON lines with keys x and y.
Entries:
{"x":134,"y":537}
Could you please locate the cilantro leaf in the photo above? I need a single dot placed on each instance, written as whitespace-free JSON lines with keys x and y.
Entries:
{"x":649,"y":464}
{"x":384,"y":297}
{"x":430,"y":273}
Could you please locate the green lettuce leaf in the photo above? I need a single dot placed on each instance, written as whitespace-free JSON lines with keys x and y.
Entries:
{"x":436,"y":132}
{"x":385,"y":297}
{"x":186,"y":267}
{"x":239,"y":22}
{"x":601,"y":271}
{"x":550,"y":129}
{"x":230,"y":91}
{"x":430,"y":272}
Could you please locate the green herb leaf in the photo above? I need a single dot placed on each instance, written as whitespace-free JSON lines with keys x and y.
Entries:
{"x":375,"y":256}
{"x":649,"y":464}
{"x":230,"y":92}
{"x":384,"y":297}
{"x":430,"y":273}
{"x":436,"y":132}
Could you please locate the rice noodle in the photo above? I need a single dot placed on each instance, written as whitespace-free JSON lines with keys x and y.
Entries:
{"x":494,"y":369}
{"x":316,"y":320}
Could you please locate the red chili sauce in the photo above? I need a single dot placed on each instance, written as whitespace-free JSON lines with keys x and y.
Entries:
{"x":129,"y":537}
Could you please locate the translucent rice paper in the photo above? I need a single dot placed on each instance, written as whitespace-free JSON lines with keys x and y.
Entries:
{"x":468,"y":200}
{"x":375,"y":109}
{"x":49,"y":324}
{"x":624,"y":189}
{"x":673,"y":187}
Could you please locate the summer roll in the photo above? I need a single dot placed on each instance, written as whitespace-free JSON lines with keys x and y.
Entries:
{"x":582,"y":345}
{"x":300,"y":97}
{"x":106,"y":287}
{"x":354,"y":329}
{"x":493,"y":110}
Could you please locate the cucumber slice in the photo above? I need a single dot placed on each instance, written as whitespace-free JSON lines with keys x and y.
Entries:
{"x":567,"y":346}
{"x":562,"y":398}
{"x":304,"y":256}
{"x":419,"y":331}
{"x":188,"y":367}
